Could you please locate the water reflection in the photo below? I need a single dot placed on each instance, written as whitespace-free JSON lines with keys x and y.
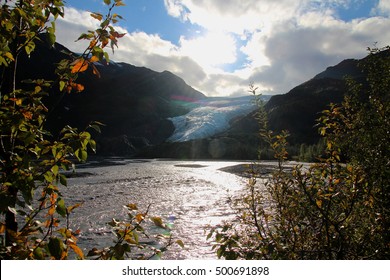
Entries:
{"x":188,"y":195}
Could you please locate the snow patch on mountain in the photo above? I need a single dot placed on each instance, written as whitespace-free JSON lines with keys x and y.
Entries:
{"x":209,"y":118}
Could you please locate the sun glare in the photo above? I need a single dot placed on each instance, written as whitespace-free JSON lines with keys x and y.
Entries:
{"x":211,"y":50}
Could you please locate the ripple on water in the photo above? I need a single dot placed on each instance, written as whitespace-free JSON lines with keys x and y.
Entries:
{"x":188,"y":195}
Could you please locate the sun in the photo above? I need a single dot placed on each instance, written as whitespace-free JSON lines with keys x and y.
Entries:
{"x":211,"y":49}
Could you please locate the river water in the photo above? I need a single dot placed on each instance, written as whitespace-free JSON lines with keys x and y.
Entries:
{"x":189,"y":195}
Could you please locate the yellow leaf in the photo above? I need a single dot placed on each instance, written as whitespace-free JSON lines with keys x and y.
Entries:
{"x":180,"y":243}
{"x":132,"y":206}
{"x":119,"y":3}
{"x":80,"y":65}
{"x":139,"y":218}
{"x":319,"y":203}
{"x":37,"y":89}
{"x":97,"y":16}
{"x":77,"y":250}
{"x":9,"y":55}
{"x":71,"y":208}
{"x":158,"y":222}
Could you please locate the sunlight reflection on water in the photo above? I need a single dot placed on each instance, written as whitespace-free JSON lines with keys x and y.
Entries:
{"x":188,"y":195}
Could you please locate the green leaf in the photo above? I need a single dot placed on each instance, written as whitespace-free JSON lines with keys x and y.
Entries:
{"x":61,"y":209}
{"x":81,"y":154}
{"x":63,"y":180}
{"x":38,"y":253}
{"x":55,"y":169}
{"x":51,"y":36}
{"x":92,"y":144}
{"x":29,"y":47}
{"x":107,"y":57}
{"x":62,"y":85}
{"x":56,"y":247}
{"x":180,"y":243}
{"x":107,"y":2}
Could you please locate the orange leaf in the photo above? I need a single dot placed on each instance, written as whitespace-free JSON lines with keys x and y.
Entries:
{"x":92,"y":44}
{"x":95,"y":71}
{"x":80,"y":65}
{"x":28,"y":115}
{"x":76,"y":249}
{"x":104,"y":43}
{"x":77,"y":87}
{"x":51,"y":210}
{"x":2,"y":228}
{"x":94,"y":58}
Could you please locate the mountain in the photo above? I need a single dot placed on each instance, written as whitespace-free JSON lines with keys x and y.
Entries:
{"x":156,"y":114}
{"x":295,"y":111}
{"x":298,"y":110}
{"x":133,"y":102}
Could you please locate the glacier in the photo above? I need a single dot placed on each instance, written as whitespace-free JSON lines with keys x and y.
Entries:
{"x":210,"y":117}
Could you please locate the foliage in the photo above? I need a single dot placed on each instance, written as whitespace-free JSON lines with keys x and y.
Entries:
{"x":331,"y":209}
{"x":31,"y":159}
{"x":129,"y":234}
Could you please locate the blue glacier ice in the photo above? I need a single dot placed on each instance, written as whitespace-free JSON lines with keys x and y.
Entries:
{"x":210,"y":117}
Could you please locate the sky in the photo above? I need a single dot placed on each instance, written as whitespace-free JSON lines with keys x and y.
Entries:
{"x":219,"y":47}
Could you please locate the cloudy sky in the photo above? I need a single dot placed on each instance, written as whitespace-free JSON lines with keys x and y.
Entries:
{"x":220,"y":46}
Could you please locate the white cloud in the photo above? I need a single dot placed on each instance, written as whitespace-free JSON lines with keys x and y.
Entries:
{"x":210,"y":50}
{"x":383,"y":7}
{"x":175,"y":9}
{"x":284,"y":43}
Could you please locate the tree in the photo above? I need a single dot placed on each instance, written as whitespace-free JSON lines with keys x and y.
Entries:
{"x":31,"y":159}
{"x":335,"y":209}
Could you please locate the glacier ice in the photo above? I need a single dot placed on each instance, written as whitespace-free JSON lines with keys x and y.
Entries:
{"x":209,"y":118}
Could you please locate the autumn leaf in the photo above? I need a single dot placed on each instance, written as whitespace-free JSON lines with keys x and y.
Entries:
{"x":94,"y":58}
{"x":9,"y":55}
{"x":2,"y":228}
{"x":158,"y":222}
{"x":80,"y":65}
{"x":95,"y":71}
{"x":119,"y":3}
{"x":97,"y":16}
{"x":78,"y":87}
{"x":139,"y":218}
{"x":28,"y":115}
{"x":132,"y":206}
{"x":76,"y":249}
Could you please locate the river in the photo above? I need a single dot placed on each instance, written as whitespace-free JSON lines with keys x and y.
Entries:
{"x":190,"y":195}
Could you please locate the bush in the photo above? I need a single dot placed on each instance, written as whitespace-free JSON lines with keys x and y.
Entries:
{"x":333,"y":209}
{"x":31,"y":159}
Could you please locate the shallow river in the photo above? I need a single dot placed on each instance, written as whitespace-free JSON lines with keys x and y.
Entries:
{"x":189,"y":195}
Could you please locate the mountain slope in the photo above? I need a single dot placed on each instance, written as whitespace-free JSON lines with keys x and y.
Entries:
{"x":298,"y":110}
{"x":133,"y":102}
{"x":295,"y":111}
